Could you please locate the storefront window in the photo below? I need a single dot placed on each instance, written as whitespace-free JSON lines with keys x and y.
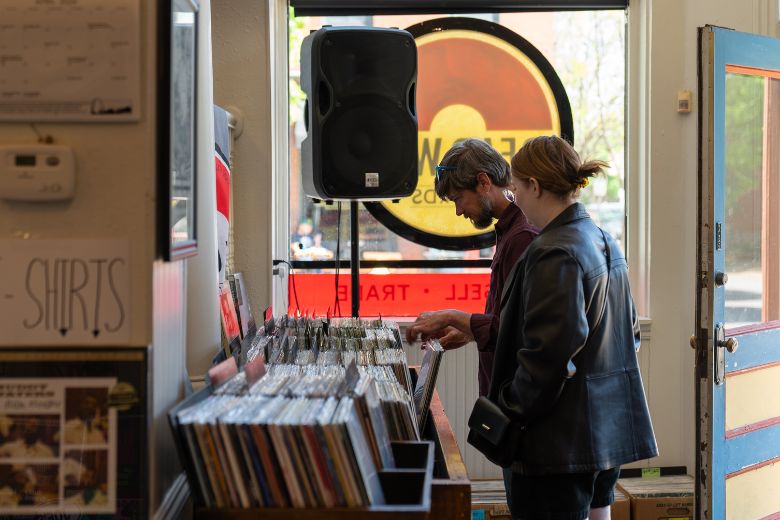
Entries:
{"x":587,"y":51}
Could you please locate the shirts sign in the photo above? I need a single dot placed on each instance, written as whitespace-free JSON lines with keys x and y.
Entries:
{"x":64,"y":292}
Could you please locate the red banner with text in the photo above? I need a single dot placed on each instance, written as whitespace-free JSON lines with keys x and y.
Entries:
{"x":389,"y":294}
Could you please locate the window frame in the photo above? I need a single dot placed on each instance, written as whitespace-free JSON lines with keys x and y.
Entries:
{"x":361,"y":7}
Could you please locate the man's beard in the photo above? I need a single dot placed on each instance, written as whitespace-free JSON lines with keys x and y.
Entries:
{"x":485,"y":218}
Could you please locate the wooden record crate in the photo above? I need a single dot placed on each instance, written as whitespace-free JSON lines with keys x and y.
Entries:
{"x":407,"y":491}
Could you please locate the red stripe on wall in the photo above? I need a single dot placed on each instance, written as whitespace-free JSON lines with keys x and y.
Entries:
{"x":753,"y":468}
{"x":749,"y":428}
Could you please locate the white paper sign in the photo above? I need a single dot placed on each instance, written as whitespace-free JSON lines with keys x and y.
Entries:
{"x":69,"y":60}
{"x":73,"y":292}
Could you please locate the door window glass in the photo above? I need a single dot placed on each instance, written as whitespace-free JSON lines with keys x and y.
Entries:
{"x":752,"y":215}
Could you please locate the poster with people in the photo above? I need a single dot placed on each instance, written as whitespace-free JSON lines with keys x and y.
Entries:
{"x":57,"y":446}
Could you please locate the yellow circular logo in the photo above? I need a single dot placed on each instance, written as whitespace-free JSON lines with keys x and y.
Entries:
{"x":475,"y":79}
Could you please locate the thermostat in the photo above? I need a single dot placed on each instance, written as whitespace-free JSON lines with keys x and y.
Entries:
{"x":37,"y":172}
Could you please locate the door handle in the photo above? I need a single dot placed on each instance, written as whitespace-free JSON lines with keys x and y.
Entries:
{"x":731,"y":344}
{"x":722,"y":344}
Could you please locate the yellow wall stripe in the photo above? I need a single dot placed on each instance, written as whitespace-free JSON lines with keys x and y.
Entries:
{"x":753,"y":494}
{"x":752,"y":396}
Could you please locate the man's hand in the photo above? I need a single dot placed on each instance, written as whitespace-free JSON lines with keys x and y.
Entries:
{"x":451,"y":327}
{"x":427,"y":325}
{"x":454,"y":338}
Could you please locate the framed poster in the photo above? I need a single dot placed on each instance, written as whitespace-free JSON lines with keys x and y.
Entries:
{"x":74,"y":433}
{"x":177,"y":121}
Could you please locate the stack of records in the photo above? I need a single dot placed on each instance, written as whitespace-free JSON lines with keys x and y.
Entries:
{"x":488,"y":492}
{"x":426,"y":380}
{"x":302,"y":436}
{"x":305,"y":341}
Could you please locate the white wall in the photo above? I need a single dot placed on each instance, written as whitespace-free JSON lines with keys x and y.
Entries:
{"x":241,"y":72}
{"x":203,"y":321}
{"x":115,"y":185}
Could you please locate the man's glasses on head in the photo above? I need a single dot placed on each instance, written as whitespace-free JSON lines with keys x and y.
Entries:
{"x":440,"y":169}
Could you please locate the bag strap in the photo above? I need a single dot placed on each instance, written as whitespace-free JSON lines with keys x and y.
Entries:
{"x":606,"y":289}
{"x":571,"y":367}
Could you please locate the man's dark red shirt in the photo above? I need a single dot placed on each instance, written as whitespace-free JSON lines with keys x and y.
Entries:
{"x":513,"y":234}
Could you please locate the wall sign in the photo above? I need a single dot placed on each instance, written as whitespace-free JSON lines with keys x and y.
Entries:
{"x":64,"y":292}
{"x":475,"y":79}
{"x":396,"y":295}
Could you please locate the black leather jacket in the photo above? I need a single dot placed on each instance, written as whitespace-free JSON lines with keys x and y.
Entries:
{"x":579,"y":399}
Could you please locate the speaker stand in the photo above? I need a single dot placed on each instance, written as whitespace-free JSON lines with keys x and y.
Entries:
{"x":354,"y":259}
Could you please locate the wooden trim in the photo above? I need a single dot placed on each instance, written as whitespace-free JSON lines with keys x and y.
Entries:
{"x":456,"y":469}
{"x":770,"y":211}
{"x":750,"y":428}
{"x":451,"y":491}
{"x":753,"y":467}
{"x":753,"y":71}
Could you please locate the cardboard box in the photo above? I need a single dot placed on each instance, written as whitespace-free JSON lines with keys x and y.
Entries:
{"x":621,"y":507}
{"x":488,"y":500}
{"x":490,"y":511}
{"x":660,"y":498}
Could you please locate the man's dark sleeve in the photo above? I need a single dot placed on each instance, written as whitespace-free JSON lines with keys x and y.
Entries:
{"x":484,"y":327}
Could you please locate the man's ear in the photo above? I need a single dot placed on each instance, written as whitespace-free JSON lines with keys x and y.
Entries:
{"x":484,"y":181}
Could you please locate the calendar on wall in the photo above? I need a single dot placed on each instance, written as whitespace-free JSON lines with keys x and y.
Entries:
{"x":70,"y":60}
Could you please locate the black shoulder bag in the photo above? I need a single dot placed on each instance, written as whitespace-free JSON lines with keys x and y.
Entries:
{"x":491,"y":431}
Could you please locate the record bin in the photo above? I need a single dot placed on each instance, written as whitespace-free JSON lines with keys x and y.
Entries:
{"x":409,"y":488}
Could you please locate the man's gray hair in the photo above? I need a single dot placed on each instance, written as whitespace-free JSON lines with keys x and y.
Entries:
{"x":464,"y":161}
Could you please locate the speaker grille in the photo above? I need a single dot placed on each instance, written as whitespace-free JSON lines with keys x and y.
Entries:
{"x":369,"y":134}
{"x":360,"y":85}
{"x":359,"y":62}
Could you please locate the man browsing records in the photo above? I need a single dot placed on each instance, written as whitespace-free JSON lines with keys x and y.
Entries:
{"x":474,"y":176}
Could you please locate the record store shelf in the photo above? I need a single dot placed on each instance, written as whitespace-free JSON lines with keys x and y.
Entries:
{"x":445,"y":496}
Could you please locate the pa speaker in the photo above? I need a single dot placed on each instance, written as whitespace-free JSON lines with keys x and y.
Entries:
{"x":361,"y":124}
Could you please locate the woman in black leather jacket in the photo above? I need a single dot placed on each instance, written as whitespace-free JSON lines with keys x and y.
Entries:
{"x":566,"y":368}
